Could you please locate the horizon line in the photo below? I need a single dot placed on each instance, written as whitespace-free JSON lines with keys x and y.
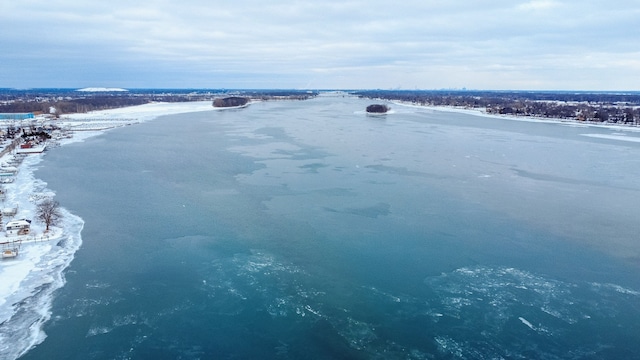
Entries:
{"x":119,"y":89}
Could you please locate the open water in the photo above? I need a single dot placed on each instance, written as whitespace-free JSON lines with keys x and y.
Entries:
{"x":310,"y":230}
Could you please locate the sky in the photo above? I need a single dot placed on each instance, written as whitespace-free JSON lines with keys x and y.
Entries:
{"x":325,"y":44}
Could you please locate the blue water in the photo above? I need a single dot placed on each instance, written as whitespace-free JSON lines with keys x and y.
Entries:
{"x":308,"y":229}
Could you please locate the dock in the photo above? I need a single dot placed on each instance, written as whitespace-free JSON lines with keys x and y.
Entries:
{"x":10,"y":249}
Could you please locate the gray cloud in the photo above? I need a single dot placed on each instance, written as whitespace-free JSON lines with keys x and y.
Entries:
{"x":535,"y":44}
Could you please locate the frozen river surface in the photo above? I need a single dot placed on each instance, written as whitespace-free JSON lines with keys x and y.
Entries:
{"x":309,"y":229}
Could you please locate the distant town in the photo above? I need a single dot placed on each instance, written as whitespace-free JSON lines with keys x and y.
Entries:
{"x":592,"y":107}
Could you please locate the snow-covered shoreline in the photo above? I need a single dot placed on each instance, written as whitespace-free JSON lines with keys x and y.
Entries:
{"x":29,"y":280}
{"x":482,"y":113}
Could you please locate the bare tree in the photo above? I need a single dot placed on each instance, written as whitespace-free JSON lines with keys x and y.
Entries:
{"x":48,"y":212}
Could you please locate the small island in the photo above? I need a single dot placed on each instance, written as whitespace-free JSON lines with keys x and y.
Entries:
{"x":232,"y":101}
{"x":377,"y":109}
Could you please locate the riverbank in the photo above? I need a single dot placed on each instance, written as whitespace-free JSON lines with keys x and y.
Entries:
{"x":30,"y":279}
{"x":532,"y":119}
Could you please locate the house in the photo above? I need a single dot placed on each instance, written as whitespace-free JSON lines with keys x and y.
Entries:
{"x":18,"y":227}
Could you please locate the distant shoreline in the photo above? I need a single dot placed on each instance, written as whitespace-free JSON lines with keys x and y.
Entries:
{"x":482,"y":113}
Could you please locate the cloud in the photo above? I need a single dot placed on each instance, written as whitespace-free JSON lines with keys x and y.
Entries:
{"x":496,"y":44}
{"x":538,"y":5}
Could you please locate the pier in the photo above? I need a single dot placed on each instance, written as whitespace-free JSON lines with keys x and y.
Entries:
{"x":10,"y":249}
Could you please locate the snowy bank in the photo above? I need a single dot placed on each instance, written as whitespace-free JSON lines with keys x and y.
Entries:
{"x":483,"y":113}
{"x":30,"y":280}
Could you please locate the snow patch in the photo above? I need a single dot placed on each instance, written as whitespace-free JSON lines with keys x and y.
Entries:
{"x":101,"y":89}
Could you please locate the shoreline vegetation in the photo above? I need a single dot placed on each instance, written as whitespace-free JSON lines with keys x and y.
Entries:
{"x":230,"y":101}
{"x":616,"y":108}
{"x":58,"y":102}
{"x":377,"y":109}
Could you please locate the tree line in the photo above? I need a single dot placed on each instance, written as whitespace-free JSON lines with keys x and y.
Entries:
{"x":80,"y":105}
{"x":66,"y":101}
{"x":594,"y":107}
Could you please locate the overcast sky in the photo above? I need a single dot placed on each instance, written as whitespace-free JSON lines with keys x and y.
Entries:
{"x":324,"y":44}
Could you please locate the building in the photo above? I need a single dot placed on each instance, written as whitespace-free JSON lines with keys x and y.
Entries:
{"x":18,"y":227}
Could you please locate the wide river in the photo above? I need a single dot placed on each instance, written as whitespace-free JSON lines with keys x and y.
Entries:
{"x":310,"y":230}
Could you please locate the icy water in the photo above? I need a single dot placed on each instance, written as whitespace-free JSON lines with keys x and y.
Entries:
{"x":309,"y":230}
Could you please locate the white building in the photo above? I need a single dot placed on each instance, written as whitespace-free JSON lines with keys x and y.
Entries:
{"x":18,"y":227}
